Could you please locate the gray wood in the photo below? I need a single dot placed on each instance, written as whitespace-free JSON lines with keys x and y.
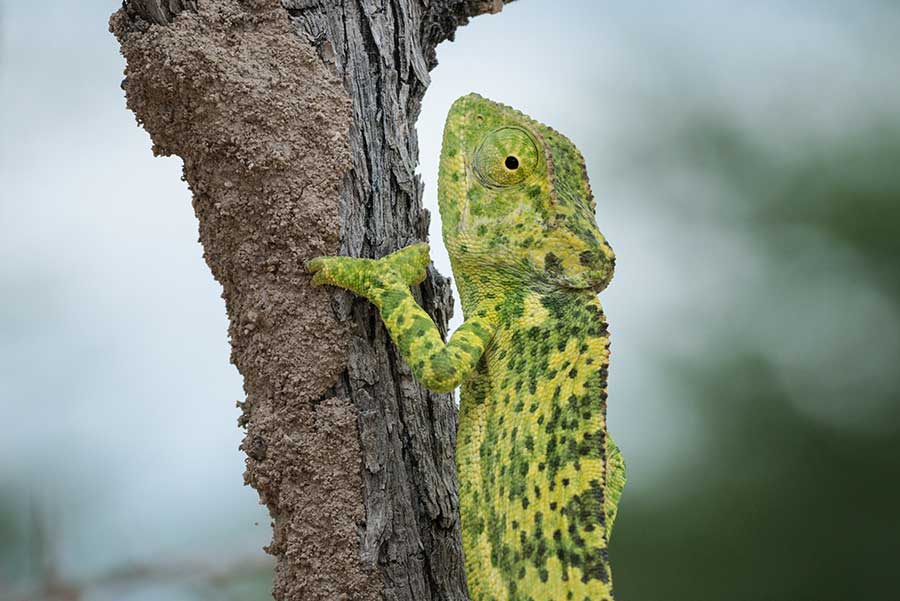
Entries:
{"x":393,"y":481}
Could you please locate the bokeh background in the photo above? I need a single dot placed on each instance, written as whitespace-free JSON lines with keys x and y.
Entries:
{"x":746,"y":161}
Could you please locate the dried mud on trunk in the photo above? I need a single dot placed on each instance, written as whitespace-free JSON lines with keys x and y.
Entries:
{"x":263,"y":129}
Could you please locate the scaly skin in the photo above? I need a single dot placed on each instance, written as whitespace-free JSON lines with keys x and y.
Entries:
{"x":539,"y":476}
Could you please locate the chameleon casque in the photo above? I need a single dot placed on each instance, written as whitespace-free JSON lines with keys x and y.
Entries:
{"x":539,"y":476}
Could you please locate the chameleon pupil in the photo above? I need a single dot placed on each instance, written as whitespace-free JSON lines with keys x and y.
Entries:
{"x":511,"y":162}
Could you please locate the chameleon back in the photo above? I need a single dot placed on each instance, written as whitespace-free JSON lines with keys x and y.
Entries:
{"x":539,"y":477}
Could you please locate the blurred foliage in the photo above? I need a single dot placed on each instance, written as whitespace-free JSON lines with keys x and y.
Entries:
{"x":30,"y":569}
{"x":782,"y":507}
{"x":12,"y":556}
{"x":849,"y":188}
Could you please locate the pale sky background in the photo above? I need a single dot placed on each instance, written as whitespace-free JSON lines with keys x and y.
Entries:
{"x":114,"y":375}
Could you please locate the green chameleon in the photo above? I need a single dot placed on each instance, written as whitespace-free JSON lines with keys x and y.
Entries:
{"x":539,"y":476}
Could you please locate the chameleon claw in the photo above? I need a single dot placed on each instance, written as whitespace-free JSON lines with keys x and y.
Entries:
{"x":314,"y":265}
{"x":319,"y":268}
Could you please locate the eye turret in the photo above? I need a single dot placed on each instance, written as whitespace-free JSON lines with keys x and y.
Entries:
{"x":506,"y":157}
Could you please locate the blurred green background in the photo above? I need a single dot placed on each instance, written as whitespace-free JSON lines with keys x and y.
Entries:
{"x":746,"y":162}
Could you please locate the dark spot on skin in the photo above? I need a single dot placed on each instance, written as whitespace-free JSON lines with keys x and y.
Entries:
{"x":552,"y":264}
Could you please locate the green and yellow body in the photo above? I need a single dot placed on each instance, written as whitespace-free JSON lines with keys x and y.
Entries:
{"x":539,"y":476}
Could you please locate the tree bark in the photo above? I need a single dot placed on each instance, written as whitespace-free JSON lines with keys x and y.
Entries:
{"x":295,"y":122}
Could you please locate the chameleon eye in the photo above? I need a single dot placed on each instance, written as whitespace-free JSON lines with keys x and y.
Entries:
{"x":505,"y":157}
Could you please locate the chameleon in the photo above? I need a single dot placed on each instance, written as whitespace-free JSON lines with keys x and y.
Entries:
{"x":539,"y":476}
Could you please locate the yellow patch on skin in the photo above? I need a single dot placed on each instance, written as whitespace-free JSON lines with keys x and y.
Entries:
{"x":490,"y":576}
{"x":556,"y":588}
{"x":534,"y":313}
{"x":569,"y":354}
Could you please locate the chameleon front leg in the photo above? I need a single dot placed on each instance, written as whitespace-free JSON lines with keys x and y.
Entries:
{"x":385,"y":283}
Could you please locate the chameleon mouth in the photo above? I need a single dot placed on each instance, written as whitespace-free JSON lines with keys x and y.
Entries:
{"x":596,"y":280}
{"x":593,"y":273}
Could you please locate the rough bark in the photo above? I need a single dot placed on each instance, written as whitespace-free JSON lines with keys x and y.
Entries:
{"x":295,"y":121}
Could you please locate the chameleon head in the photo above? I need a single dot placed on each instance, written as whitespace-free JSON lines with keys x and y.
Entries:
{"x":514,"y":198}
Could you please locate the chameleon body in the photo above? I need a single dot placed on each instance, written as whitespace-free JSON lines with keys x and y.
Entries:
{"x":539,"y":476}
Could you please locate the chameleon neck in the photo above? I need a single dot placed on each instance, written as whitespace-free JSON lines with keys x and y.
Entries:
{"x":482,"y":285}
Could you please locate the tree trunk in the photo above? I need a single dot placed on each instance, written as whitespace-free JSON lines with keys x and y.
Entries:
{"x":295,"y":122}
